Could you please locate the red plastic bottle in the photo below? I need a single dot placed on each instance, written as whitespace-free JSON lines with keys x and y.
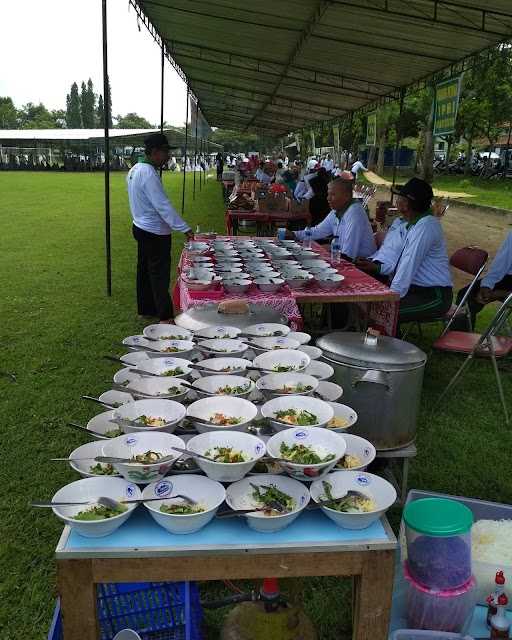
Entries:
{"x":493,"y":598}
{"x":500,"y":626}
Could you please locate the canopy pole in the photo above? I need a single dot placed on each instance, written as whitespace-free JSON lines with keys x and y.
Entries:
{"x":195,"y":154}
{"x":162,"y":94}
{"x":185,"y":157}
{"x":398,"y":138}
{"x":106,"y":102}
{"x":201,"y":177}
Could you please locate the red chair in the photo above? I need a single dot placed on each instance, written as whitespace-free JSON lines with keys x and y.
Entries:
{"x":487,"y":344}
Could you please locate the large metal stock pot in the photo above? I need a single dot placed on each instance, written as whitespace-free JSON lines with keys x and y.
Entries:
{"x":382,"y":380}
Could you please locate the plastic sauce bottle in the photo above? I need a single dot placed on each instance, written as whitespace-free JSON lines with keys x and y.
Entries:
{"x":492,"y":599}
{"x":335,"y":250}
{"x":500,"y":626}
{"x":306,"y":243}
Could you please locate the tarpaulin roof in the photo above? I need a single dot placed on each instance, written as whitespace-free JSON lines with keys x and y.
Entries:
{"x":280,"y":66}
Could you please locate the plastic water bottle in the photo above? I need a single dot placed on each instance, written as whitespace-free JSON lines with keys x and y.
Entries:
{"x":198,"y":230}
{"x":306,"y":243}
{"x":335,"y":250}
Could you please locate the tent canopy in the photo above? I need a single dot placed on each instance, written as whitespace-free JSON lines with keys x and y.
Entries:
{"x":280,"y":66}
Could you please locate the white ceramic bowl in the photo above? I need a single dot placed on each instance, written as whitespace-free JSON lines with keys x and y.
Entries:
{"x":322,"y":271}
{"x":132,"y":358}
{"x":221,"y":268}
{"x":313,"y":352}
{"x":116,"y":398}
{"x":330,"y":391}
{"x":347,"y":414}
{"x":320,"y":370}
{"x":166,"y":348}
{"x":319,"y":408}
{"x":237,"y":286}
{"x":200,"y":285}
{"x":330,"y":281}
{"x":102,"y":423}
{"x":160,"y":366}
{"x":359,"y":448}
{"x":250,"y":446}
{"x":234,"y":277}
{"x":232,"y":407}
{"x":272,"y":384}
{"x":89,"y":450}
{"x":90,"y":489}
{"x":211,"y":385}
{"x":239,"y":495}
{"x":222,"y":347}
{"x":282,"y":359}
{"x":166,"y":332}
{"x":298,"y":280}
{"x":208,"y":493}
{"x":267,"y":330}
{"x":215,"y":366}
{"x":273,"y":344}
{"x":153,"y":387}
{"x":221,"y":331}
{"x":316,"y":264}
{"x":301,"y":337}
{"x":197,"y":248}
{"x":134,"y":444}
{"x":170,"y":411}
{"x":375,"y":487}
{"x":269,"y":285}
{"x":322,"y":441}
{"x":126,"y":376}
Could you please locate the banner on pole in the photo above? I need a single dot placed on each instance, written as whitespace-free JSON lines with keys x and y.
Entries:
{"x":297,"y":141}
{"x":336,"y":142}
{"x":313,"y":145}
{"x":371,"y":129}
{"x":446,"y":106}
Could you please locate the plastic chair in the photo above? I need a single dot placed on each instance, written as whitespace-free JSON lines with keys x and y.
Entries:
{"x":471,"y":261}
{"x":487,"y":344}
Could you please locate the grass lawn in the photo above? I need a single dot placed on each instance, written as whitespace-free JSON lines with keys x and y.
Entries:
{"x":493,"y":193}
{"x":56,"y":323}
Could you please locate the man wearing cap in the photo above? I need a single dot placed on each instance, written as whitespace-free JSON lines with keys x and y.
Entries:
{"x":347,"y":220}
{"x":154,"y":218}
{"x":422,"y":274}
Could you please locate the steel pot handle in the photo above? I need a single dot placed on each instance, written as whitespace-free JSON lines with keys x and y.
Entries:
{"x":376,"y":377}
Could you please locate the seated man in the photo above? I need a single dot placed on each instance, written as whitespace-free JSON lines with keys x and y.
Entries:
{"x":422,"y":274}
{"x":496,"y":284}
{"x":347,"y":220}
{"x":383,"y":262}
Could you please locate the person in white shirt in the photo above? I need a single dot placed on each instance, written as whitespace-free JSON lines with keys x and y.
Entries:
{"x":328,"y":163}
{"x":357,"y":167}
{"x":383,"y":262}
{"x":495,"y":285}
{"x":347,"y":221}
{"x":422,"y":275}
{"x":261,"y":174}
{"x":154,"y":218}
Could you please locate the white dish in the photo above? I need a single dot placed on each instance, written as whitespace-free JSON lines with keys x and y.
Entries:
{"x":321,"y":264}
{"x":215,"y":366}
{"x":153,"y":387}
{"x":320,"y":370}
{"x":329,"y":282}
{"x":207,"y":493}
{"x":134,"y":357}
{"x":125,"y":376}
{"x":318,"y":408}
{"x":323,"y":442}
{"x":239,"y":495}
{"x":168,"y":410}
{"x":222,"y":347}
{"x":300,"y":336}
{"x":210,"y":385}
{"x":116,"y":398}
{"x":102,"y":423}
{"x":313,"y":352}
{"x":237,"y":286}
{"x":345,"y":413}
{"x":267,"y":329}
{"x":272,"y":384}
{"x":160,"y":366}
{"x":280,"y":360}
{"x":251,"y":447}
{"x":269,"y":286}
{"x":298,"y":281}
{"x":166,"y":332}
{"x":330,"y":391}
{"x":221,"y":331}
{"x":375,"y":487}
{"x":89,"y":489}
{"x":360,"y":448}
{"x":229,"y":406}
{"x":133,"y":444}
{"x":89,"y":450}
{"x":177,"y":348}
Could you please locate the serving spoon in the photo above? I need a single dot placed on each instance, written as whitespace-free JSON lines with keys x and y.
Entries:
{"x":326,"y":503}
{"x":90,"y":432}
{"x":110,"y":503}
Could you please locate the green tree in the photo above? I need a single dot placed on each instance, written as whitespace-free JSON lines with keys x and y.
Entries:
{"x":32,"y":116}
{"x":100,"y":113}
{"x":8,"y":114}
{"x":133,"y":121}
{"x":88,"y":105}
{"x":73,"y":115}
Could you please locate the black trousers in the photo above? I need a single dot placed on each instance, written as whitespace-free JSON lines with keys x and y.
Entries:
{"x":424,"y":303}
{"x":153,"y":274}
{"x":475,"y":307}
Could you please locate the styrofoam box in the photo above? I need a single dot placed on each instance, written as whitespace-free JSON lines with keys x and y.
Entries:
{"x":482,"y":510}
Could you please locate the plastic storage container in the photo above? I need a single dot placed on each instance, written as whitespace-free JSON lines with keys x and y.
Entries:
{"x":484,"y":572}
{"x":439,"y":610}
{"x":438,"y":534}
{"x":156,"y":610}
{"x":415,"y":634}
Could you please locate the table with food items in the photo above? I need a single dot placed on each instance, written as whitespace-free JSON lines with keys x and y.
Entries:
{"x":264,"y":219}
{"x":280,"y":274}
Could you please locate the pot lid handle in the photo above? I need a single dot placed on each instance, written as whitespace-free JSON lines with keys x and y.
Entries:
{"x":371,"y":338}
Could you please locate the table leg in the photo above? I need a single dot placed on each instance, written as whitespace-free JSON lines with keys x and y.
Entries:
{"x":77,"y":600}
{"x":405,"y":480}
{"x":373,"y":591}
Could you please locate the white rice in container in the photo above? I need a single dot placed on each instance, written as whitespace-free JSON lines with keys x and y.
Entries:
{"x":491,"y":548}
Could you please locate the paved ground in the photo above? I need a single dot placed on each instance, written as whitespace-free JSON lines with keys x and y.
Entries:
{"x":382,"y":182}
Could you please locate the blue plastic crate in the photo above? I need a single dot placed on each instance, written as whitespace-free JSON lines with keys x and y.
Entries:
{"x":156,"y":610}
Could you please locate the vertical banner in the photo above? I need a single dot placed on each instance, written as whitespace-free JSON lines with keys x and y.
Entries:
{"x":313,"y":145}
{"x":446,"y":106}
{"x":371,"y":129}
{"x":336,"y":142}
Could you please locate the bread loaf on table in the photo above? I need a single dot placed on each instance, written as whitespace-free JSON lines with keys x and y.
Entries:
{"x":233,"y":307}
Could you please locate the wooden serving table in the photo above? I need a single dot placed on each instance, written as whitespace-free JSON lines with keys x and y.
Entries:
{"x":140,"y":550}
{"x":263,"y":219}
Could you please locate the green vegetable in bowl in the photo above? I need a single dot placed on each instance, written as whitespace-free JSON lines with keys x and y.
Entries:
{"x":114,"y":433}
{"x":283,"y":368}
{"x":302,"y":454}
{"x":233,"y":391}
{"x":348,"y":504}
{"x":149,"y":457}
{"x":173,"y":372}
{"x":298,"y":388}
{"x":225,"y":455}
{"x":181,"y":509}
{"x":103,"y":470}
{"x":99,"y":512}
{"x":267,"y":495}
{"x":294,"y":417}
